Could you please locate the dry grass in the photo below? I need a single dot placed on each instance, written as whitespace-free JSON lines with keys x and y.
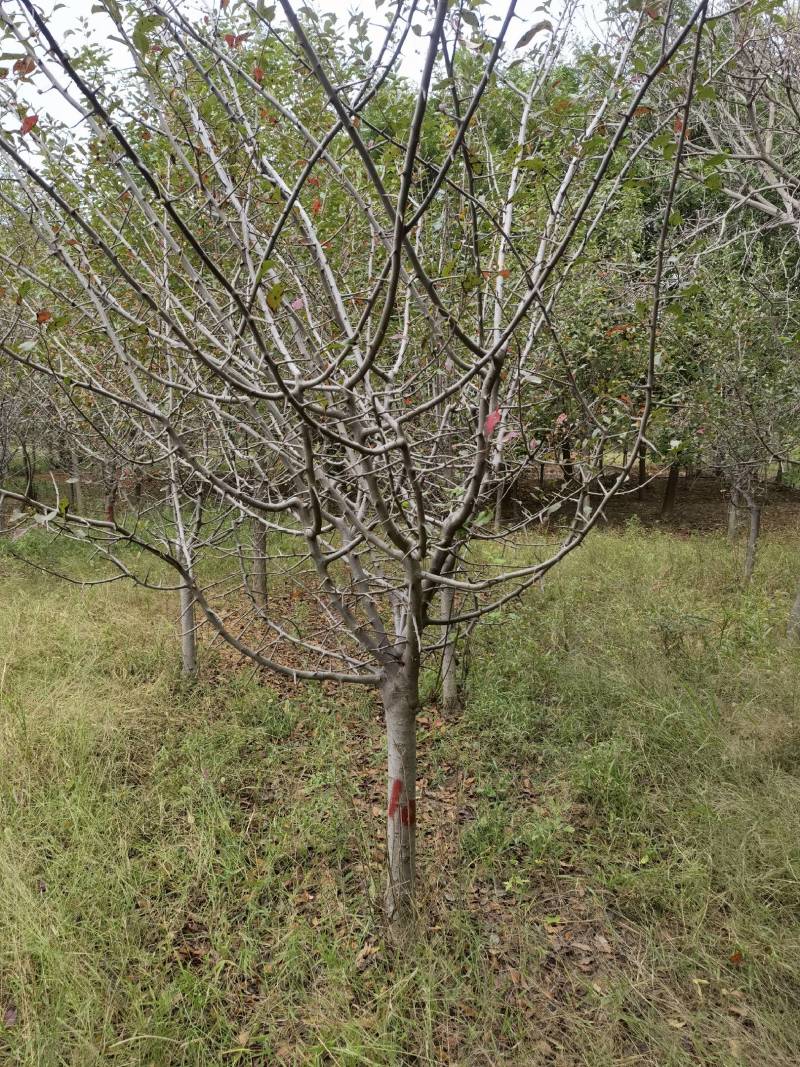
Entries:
{"x":189,"y":875}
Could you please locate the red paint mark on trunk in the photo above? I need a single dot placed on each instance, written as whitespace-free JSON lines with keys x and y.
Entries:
{"x":408,"y":814}
{"x":394,"y":796}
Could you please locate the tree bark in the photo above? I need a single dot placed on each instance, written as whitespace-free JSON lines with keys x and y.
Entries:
{"x":670,"y":491}
{"x":400,"y":696}
{"x":258,"y":578}
{"x":188,"y":632}
{"x":733,"y":516}
{"x":30,"y":484}
{"x":451,"y":702}
{"x":76,"y":490}
{"x":567,"y":465}
{"x":642,"y":471}
{"x":498,"y":509}
{"x":752,"y":541}
{"x":112,"y":487}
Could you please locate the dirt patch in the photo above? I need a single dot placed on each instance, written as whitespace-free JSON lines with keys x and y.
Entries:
{"x":701,"y":504}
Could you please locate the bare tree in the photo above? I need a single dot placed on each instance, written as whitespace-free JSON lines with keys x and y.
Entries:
{"x":331,"y":303}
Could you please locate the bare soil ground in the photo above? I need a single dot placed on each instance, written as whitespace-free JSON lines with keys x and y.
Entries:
{"x":701,"y":505}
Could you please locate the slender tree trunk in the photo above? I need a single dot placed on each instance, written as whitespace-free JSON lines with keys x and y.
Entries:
{"x":451,"y":702}
{"x":541,"y":475}
{"x":642,"y":471}
{"x":76,"y":490}
{"x":779,"y":473}
{"x":793,"y":630}
{"x":400,"y":695}
{"x":752,"y":541}
{"x":498,"y":509}
{"x":566,"y":458}
{"x":30,"y":484}
{"x":670,"y":490}
{"x":188,"y":632}
{"x":258,"y":578}
{"x":733,"y":521}
{"x":111,"y":499}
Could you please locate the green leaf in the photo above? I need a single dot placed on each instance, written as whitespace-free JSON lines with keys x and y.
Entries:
{"x":705,"y":92}
{"x":529,"y":35}
{"x":109,"y":7}
{"x":142,"y":30}
{"x":266,"y":266}
{"x":274,"y":296}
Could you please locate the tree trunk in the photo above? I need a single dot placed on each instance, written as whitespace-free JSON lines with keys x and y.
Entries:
{"x":779,"y":473}
{"x":400,"y":695}
{"x":566,"y":459}
{"x":498,"y":509}
{"x":188,"y":632}
{"x":451,"y":703}
{"x":259,"y":576}
{"x":76,"y":491}
{"x":642,"y":471}
{"x":30,"y":485}
{"x":752,"y":541}
{"x":111,"y":499}
{"x":670,"y":490}
{"x":793,"y":630}
{"x":733,"y":521}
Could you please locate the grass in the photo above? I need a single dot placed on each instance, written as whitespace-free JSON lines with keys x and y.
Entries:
{"x":609,"y":846}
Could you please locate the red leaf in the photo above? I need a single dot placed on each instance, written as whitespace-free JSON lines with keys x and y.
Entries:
{"x":24,"y":66}
{"x":491,"y":421}
{"x":316,"y":206}
{"x":235,"y":40}
{"x":677,"y":124}
{"x":28,"y":124}
{"x":736,"y":958}
{"x":313,"y":181}
{"x":258,"y":74}
{"x":224,"y":3}
{"x":43,"y":316}
{"x":504,"y":273}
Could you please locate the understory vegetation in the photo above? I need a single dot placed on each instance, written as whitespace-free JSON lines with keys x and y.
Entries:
{"x":191,"y":871}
